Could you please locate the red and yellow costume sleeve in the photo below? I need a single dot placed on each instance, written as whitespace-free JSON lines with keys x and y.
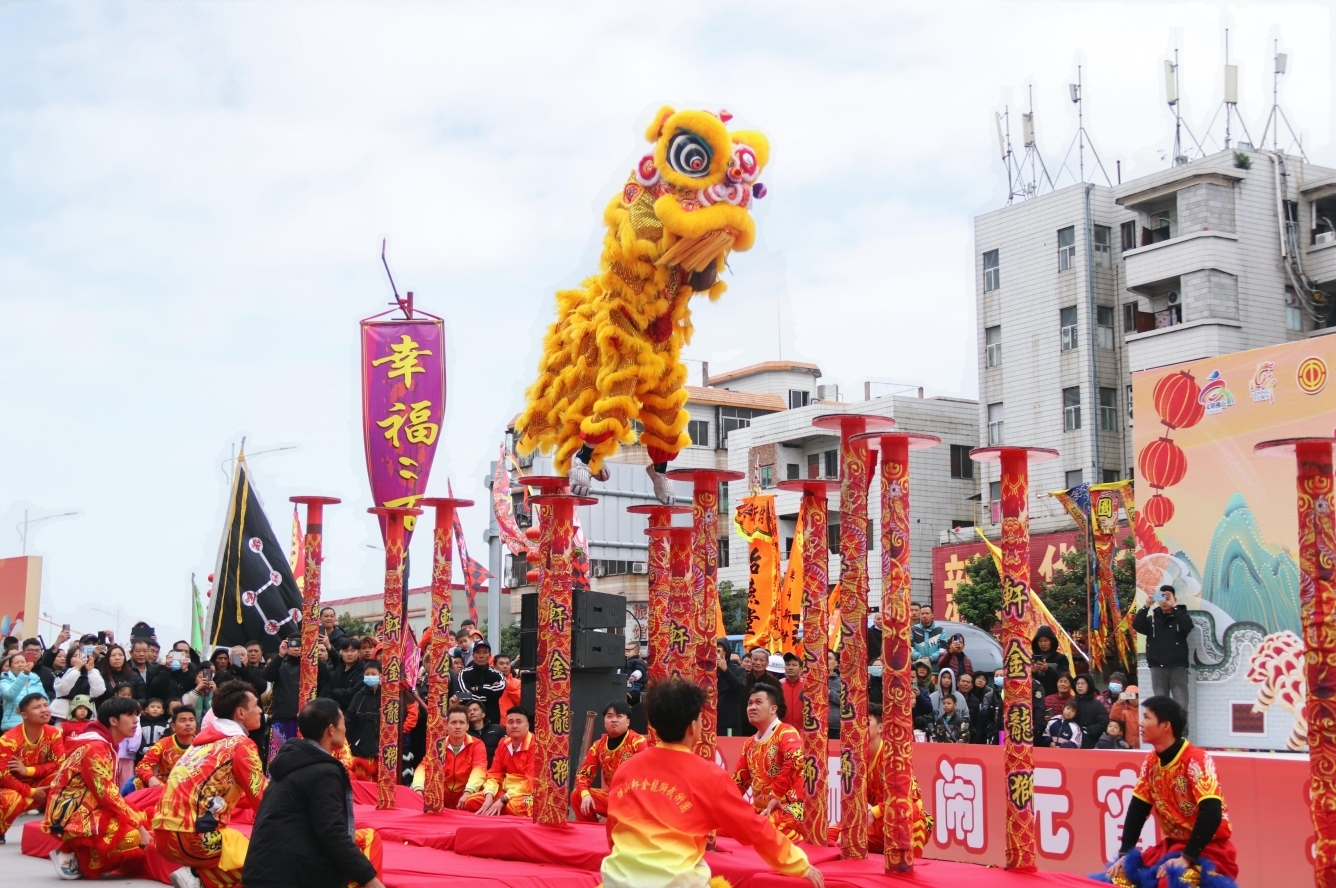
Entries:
{"x":1176,"y":789}
{"x":84,"y":794}
{"x":230,"y":767}
{"x":772,"y":767}
{"x":344,"y":753}
{"x":511,"y":773}
{"x":662,"y":806}
{"x":601,"y":760}
{"x":159,"y":760}
{"x":41,"y":759}
{"x":467,"y":770}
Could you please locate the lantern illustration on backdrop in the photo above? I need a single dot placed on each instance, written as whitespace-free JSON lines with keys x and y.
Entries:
{"x":1162,"y":462}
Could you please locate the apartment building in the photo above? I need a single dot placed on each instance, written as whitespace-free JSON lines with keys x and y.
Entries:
{"x":1079,"y":288}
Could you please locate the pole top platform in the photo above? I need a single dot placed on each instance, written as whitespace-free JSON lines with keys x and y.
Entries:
{"x":544,"y":483}
{"x":810,"y":485}
{"x":1283,"y":447}
{"x":705,"y":476}
{"x":314,"y":500}
{"x":445,"y":502}
{"x":391,"y":513}
{"x":995,"y":454}
{"x":553,"y":499}
{"x":652,"y":509}
{"x":852,"y":423}
{"x":916,"y":440}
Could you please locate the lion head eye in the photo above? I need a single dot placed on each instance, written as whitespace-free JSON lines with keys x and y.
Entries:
{"x":689,"y":155}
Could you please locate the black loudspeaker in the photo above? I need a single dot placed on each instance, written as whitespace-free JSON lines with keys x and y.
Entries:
{"x":590,"y":610}
{"x":590,"y":692}
{"x":589,"y":649}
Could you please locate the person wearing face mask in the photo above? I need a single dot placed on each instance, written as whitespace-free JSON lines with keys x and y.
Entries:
{"x":990,"y":709}
{"x":178,"y":678}
{"x":874,"y":676}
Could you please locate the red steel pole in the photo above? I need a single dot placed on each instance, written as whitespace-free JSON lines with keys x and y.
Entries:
{"x":311,"y":542}
{"x":705,"y":577}
{"x":660,"y":583}
{"x":897,"y":726}
{"x":678,"y":657}
{"x":1317,"y":610}
{"x":1018,"y":626}
{"x":438,"y":648}
{"x":552,"y":696}
{"x":391,"y":640}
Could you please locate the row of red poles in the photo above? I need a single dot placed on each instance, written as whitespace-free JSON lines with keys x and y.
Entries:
{"x":683,"y":601}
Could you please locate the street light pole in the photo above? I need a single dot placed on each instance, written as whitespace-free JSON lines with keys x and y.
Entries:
{"x":23,"y":525}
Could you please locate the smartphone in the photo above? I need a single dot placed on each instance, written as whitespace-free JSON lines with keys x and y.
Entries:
{"x":87,"y":650}
{"x":30,"y":656}
{"x":1158,"y":597}
{"x":102,"y":638}
{"x":207,"y":672}
{"x":64,"y":627}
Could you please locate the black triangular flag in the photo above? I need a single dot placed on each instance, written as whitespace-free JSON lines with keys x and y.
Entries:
{"x":255,"y":597}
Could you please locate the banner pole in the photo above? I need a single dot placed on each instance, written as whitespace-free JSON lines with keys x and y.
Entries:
{"x":391,"y":640}
{"x":660,"y":585}
{"x":313,"y":543}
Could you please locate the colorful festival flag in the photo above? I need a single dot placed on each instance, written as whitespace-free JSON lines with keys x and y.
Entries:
{"x":1106,"y":619}
{"x":756,"y":523}
{"x":1042,"y":613}
{"x":297,"y":554}
{"x":196,"y":616}
{"x":788,"y":609}
{"x":255,"y":593}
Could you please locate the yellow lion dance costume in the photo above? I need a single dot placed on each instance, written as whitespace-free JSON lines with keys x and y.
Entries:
{"x":613,"y":354}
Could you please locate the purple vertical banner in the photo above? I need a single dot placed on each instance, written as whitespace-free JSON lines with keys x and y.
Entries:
{"x":403,"y":407}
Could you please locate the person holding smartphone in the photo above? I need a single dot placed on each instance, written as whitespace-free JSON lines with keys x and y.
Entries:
{"x":16,"y":682}
{"x":1166,"y":625}
{"x":79,"y":679}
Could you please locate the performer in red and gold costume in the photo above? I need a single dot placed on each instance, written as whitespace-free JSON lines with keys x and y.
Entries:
{"x":98,"y":831}
{"x":30,"y":754}
{"x":461,"y":756}
{"x":771,"y":762}
{"x":665,"y":802}
{"x":156,"y":765}
{"x":509,"y":785}
{"x":1179,"y":784}
{"x":607,"y":754}
{"x":221,"y":768}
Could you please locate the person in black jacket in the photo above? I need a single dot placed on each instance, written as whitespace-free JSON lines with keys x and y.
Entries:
{"x":284,"y":673}
{"x":176,"y":678}
{"x":482,"y":682}
{"x":305,"y":823}
{"x":345,"y":674}
{"x":732,"y":680}
{"x":1090,"y":712}
{"x":488,"y":732}
{"x":1047,"y":662}
{"x":364,"y":719}
{"x":1166,"y":625}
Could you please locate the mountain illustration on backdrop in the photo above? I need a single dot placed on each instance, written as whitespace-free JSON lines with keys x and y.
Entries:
{"x":1248,"y":579}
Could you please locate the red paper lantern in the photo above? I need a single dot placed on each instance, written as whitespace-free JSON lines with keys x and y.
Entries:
{"x":1163,"y":463}
{"x":1159,"y":510}
{"x":532,"y":533}
{"x":1177,"y":400}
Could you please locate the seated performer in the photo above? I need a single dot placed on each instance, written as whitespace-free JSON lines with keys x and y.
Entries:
{"x":463,"y":759}
{"x":157,"y":763}
{"x":608,"y":752}
{"x":664,"y":803}
{"x":509,"y":785}
{"x":98,"y":831}
{"x":771,"y":762}
{"x":30,"y":754}
{"x":1179,"y":784}
{"x":876,"y":795}
{"x":221,"y":767}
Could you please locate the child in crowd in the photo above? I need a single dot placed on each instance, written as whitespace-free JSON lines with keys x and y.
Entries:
{"x":951,"y":726}
{"x":81,"y":715}
{"x":154,"y":724}
{"x":1063,"y":731}
{"x":1113,"y":737}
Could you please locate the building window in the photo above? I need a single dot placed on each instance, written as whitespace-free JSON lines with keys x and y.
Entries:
{"x":723,"y":552}
{"x":767,"y":476}
{"x":995,"y":424}
{"x":1108,"y":410}
{"x":1294,"y":318}
{"x":792,"y":472}
{"x":1067,"y":320}
{"x":992,"y":337}
{"x":833,"y":538}
{"x":723,"y":497}
{"x":1129,"y":408}
{"x":1071,"y":409}
{"x":1066,"y":249}
{"x":1109,"y":476}
{"x":832,"y":458}
{"x":991,"y":279}
{"x":731,"y":418}
{"x":1103,"y":246}
{"x":1129,"y":233}
{"x":798,"y":398}
{"x":995,"y":501}
{"x":813,"y":465}
{"x":961,"y":464}
{"x":1104,"y":326}
{"x":699,"y":432}
{"x":1073,"y":478}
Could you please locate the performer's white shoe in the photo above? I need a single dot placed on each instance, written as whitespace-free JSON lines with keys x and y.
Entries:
{"x":67,"y":866}
{"x":663,"y":487}
{"x":184,"y":878}
{"x":580,"y":477}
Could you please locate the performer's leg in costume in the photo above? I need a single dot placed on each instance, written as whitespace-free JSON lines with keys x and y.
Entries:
{"x":116,"y":846}
{"x":600,"y":798}
{"x":217,"y":857}
{"x":12,"y":804}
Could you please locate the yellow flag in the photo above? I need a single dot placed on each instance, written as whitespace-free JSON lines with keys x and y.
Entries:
{"x":756,"y":522}
{"x":788,"y":609}
{"x":1065,"y":643}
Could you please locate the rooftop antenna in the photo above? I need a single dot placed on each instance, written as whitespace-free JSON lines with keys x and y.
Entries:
{"x":1230,"y":104}
{"x":1172,"y":98}
{"x":1020,"y":183}
{"x":1277,"y":113}
{"x":1076,"y":92}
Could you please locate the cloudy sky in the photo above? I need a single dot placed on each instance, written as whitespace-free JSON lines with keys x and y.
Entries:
{"x":193,"y":196}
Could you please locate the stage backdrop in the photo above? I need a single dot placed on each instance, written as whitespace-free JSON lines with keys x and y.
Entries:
{"x":1220,"y":524}
{"x":20,"y":595}
{"x":1081,"y":799}
{"x":948,"y":564}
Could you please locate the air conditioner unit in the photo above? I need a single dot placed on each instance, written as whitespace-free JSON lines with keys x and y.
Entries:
{"x":639,"y":567}
{"x":1173,"y":297}
{"x":599,"y":570}
{"x":1324,"y":237}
